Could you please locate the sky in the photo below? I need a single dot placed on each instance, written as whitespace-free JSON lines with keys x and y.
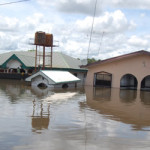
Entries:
{"x":119,"y":26}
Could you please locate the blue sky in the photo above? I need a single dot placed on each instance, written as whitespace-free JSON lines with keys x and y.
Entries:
{"x":120,"y":26}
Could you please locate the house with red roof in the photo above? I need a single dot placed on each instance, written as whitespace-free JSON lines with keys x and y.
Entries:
{"x":129,"y":71}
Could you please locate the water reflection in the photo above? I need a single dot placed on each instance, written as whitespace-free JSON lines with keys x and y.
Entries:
{"x":116,"y":108}
{"x":128,"y":96}
{"x":40,"y":92}
{"x":102,"y":93}
{"x":48,"y":97}
{"x":97,"y":118}
{"x":13,"y":89}
{"x":40,"y":117}
{"x":145,"y":97}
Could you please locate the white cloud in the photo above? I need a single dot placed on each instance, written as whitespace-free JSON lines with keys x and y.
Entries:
{"x":138,"y":42}
{"x":70,"y":21}
{"x":87,"y":6}
{"x":109,"y":23}
{"x":47,"y":3}
{"x":72,"y":6}
{"x":8,"y":24}
{"x":15,"y":33}
{"x":8,"y":42}
{"x":142,"y":15}
{"x":135,"y":4}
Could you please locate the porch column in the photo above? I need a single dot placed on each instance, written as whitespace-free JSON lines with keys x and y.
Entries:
{"x":139,"y":84}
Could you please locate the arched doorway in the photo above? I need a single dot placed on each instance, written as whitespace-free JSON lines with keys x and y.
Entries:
{"x":102,"y":79}
{"x":145,"y":84}
{"x":128,"y":81}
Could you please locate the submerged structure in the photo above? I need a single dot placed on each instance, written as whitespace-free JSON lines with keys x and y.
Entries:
{"x":53,"y":79}
{"x":21,"y":64}
{"x":129,"y":71}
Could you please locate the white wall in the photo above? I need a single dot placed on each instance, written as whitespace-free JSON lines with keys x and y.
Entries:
{"x":13,"y":64}
{"x":81,"y":76}
{"x":37,"y":80}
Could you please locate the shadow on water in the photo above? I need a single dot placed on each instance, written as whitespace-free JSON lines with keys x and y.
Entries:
{"x":127,"y":106}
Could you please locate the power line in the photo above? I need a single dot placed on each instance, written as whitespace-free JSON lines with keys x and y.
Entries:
{"x":91,"y":29}
{"x":14,"y":2}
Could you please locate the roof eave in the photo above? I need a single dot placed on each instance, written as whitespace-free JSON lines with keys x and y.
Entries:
{"x":142,"y":52}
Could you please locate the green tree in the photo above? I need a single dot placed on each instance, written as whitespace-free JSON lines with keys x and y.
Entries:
{"x":91,"y":60}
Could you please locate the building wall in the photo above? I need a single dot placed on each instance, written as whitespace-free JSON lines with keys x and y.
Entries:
{"x":13,"y":64}
{"x":70,"y":85}
{"x":139,"y":66}
{"x":81,"y":76}
{"x":39,"y":79}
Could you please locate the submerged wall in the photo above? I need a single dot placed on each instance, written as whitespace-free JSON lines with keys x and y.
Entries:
{"x":138,"y":66}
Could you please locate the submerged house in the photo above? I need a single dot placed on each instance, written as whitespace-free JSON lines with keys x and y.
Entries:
{"x":53,"y":79}
{"x":129,"y":71}
{"x":21,"y":64}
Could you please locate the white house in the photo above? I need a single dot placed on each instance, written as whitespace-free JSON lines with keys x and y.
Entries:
{"x":53,"y":79}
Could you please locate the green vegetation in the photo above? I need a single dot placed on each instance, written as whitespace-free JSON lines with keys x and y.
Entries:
{"x":91,"y":60}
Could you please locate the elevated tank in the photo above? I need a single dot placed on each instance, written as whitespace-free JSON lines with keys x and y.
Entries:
{"x":49,"y":39}
{"x":40,"y":38}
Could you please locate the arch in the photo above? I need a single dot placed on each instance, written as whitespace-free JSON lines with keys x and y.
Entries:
{"x":102,"y":79}
{"x":145,"y":83}
{"x":64,"y":86}
{"x":39,"y":81}
{"x":128,"y":81}
{"x":42,"y":85}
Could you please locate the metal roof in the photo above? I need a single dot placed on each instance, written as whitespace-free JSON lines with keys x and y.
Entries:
{"x":60,"y":76}
{"x":60,"y":60}
{"x":55,"y":77}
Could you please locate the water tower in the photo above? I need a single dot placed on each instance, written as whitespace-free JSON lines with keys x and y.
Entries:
{"x":43,"y":58}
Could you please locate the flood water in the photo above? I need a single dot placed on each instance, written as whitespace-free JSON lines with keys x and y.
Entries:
{"x":73,"y":119}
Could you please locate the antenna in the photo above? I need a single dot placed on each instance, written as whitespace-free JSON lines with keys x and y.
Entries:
{"x":92,"y":29}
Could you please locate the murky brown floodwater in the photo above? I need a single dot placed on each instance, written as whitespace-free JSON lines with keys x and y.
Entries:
{"x":81,"y":119}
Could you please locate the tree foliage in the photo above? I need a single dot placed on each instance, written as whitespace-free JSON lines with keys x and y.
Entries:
{"x":91,"y":60}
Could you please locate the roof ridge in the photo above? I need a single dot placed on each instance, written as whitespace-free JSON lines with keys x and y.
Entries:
{"x":119,"y":57}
